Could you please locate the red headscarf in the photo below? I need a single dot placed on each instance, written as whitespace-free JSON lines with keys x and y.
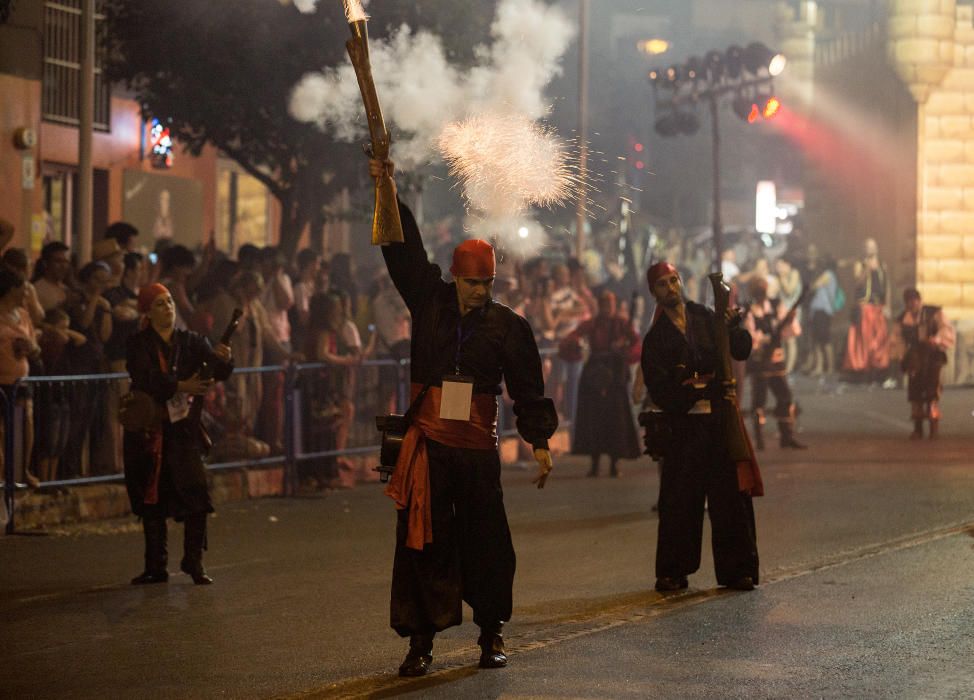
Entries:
{"x":148,"y":294}
{"x":653,"y":275}
{"x":474,"y":258}
{"x":660,"y":269}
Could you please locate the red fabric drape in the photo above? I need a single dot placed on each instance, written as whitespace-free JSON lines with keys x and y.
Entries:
{"x":867,"y":346}
{"x":409,"y":486}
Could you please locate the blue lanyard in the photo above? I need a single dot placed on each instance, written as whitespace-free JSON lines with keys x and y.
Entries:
{"x":461,"y":339}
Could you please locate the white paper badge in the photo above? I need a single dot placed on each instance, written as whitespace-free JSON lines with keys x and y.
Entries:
{"x":456,"y":398}
{"x":178,"y":407}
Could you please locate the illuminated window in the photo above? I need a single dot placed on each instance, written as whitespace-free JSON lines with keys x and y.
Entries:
{"x":242,"y":210}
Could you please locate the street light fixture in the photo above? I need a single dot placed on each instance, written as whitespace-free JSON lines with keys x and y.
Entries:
{"x":748,"y":74}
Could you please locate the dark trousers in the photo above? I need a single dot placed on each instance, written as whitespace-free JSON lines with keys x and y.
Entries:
{"x":471,"y":557}
{"x":156,"y":550}
{"x":778,"y":383}
{"x":694,"y":470}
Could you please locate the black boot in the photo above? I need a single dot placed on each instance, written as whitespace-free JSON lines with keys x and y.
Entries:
{"x":786,"y":430}
{"x":156,"y":557}
{"x":594,"y":470}
{"x":194,"y":542}
{"x":491,"y":643}
{"x":934,"y":428}
{"x":758,"y":423}
{"x":419,"y":658}
{"x":614,"y":469}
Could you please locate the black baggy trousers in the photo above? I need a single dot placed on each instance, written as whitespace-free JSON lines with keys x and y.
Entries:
{"x":471,"y":557}
{"x":694,"y":471}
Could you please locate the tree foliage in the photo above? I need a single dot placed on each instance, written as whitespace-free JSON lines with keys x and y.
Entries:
{"x":222,"y":72}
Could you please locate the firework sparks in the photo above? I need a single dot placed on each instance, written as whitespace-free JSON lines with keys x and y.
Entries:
{"x":507,"y":163}
{"x":354,"y":11}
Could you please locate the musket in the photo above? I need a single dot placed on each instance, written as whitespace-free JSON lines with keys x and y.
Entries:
{"x":739,"y":449}
{"x":784,"y":322}
{"x":386,"y":225}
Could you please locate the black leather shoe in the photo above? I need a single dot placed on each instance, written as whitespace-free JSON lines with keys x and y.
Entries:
{"x":492,"y":654}
{"x":665,"y":584}
{"x":150,"y":577}
{"x":420,"y":657}
{"x":198,"y":574}
{"x":745,"y":583}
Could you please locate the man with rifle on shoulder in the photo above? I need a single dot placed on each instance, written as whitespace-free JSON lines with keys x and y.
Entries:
{"x":769,"y":324}
{"x":694,"y":428}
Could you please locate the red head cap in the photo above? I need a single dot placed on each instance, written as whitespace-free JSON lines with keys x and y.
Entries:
{"x":660,"y":269}
{"x":474,"y":258}
{"x":148,"y":294}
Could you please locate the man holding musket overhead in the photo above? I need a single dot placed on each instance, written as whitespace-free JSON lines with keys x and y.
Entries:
{"x":453,"y":543}
{"x":681,"y":366}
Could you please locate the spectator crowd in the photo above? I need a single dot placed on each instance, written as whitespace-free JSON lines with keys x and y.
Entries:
{"x":59,"y":319}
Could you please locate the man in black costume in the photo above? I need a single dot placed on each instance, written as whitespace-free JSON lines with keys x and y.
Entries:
{"x":453,"y":543}
{"x":925,"y":336}
{"x":679,"y":360}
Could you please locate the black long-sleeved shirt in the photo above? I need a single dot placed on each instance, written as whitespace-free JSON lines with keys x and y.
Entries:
{"x":670,"y":358}
{"x":184,"y":355}
{"x":497,"y":344}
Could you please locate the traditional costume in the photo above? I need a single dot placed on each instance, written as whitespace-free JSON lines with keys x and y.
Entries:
{"x":678,"y":369}
{"x":925,"y":336}
{"x":767,"y":366}
{"x":867,"y":344}
{"x":603,"y":418}
{"x":453,"y":543}
{"x":164,"y":464}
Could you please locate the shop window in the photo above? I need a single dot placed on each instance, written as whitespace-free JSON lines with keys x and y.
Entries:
{"x":242,"y":211}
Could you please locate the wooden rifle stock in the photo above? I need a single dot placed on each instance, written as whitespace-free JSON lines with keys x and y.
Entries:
{"x":739,"y":447}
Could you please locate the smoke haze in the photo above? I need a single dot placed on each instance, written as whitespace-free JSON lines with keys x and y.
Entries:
{"x":421,"y":92}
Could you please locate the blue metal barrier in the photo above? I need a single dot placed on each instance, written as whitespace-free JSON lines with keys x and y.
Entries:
{"x":293,"y":453}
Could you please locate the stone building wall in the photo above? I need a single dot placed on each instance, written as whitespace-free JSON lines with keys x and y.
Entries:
{"x":931,"y":45}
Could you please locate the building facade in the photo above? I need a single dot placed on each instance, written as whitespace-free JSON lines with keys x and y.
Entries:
{"x":188,"y":200}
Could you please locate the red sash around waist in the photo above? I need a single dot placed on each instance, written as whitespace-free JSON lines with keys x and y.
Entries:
{"x":409,"y":486}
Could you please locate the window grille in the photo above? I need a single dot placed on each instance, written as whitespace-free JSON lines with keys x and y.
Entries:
{"x":61,"y":101}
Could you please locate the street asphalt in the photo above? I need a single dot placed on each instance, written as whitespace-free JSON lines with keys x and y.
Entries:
{"x":867,"y":565}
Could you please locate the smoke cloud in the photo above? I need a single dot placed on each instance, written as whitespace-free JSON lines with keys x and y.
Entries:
{"x":421,"y":92}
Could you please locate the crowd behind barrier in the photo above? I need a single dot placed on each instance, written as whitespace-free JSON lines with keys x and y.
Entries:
{"x":322,"y":347}
{"x":310,"y":453}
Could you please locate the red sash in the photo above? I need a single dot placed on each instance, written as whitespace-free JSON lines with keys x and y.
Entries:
{"x":154,"y":445}
{"x":409,"y":486}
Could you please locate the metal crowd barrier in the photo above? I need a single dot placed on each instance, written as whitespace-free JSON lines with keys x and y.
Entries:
{"x":95,"y":402}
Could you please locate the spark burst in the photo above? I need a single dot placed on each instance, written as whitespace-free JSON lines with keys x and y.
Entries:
{"x":507,"y":163}
{"x":354,"y":11}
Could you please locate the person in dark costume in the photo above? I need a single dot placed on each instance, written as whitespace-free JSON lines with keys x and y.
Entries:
{"x":679,"y":360}
{"x":766,"y":366}
{"x":925,"y":336}
{"x":603,"y":421}
{"x":164,"y":470}
{"x":453,"y":543}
